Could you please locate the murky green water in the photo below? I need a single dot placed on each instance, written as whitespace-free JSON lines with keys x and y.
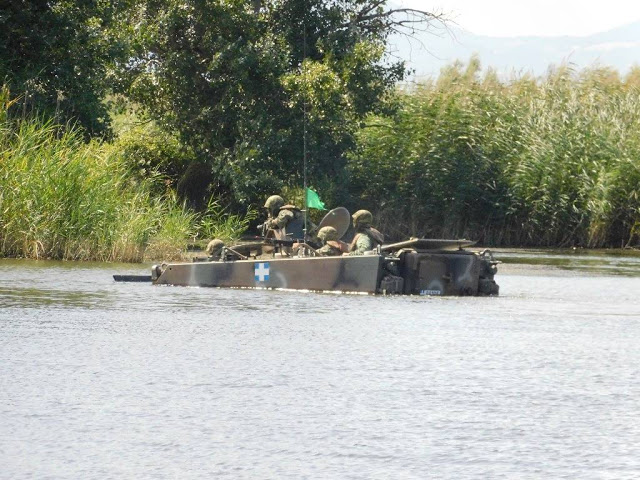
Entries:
{"x":598,"y":262}
{"x":108,"y":380}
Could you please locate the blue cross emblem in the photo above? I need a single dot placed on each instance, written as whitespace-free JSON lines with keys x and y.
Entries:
{"x":261,"y":272}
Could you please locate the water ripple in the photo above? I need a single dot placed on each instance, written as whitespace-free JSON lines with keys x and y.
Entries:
{"x":107,"y":380}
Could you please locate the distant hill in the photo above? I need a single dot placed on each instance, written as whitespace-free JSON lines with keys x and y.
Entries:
{"x":429,"y":52}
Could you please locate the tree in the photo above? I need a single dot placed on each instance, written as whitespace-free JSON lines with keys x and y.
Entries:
{"x":56,"y":56}
{"x":242,"y":80}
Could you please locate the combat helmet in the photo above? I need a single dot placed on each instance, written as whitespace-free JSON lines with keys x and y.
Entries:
{"x":327,"y":234}
{"x":362,"y":219}
{"x":273,"y":203}
{"x":214,"y":248}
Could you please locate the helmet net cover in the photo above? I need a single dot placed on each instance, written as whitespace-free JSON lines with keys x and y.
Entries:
{"x":214,"y":245}
{"x":327,"y":234}
{"x":362,"y":218}
{"x":274,"y":202}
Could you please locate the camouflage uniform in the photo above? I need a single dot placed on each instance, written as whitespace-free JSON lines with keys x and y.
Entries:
{"x":287,"y":219}
{"x":273,"y":205}
{"x":291,"y":220}
{"x":331,"y":249}
{"x":329,"y":238}
{"x":362,"y":243}
{"x":367,"y":237}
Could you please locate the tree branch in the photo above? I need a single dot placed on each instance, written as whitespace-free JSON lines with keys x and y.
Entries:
{"x":401,"y":20}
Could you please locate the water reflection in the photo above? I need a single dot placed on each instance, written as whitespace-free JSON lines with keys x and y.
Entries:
{"x":624,"y":263}
{"x":51,"y":299}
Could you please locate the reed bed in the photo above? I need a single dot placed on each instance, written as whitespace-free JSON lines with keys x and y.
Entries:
{"x":63,"y":198}
{"x":526,"y":162}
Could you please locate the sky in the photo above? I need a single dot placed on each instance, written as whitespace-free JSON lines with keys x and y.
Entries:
{"x":510,"y":18}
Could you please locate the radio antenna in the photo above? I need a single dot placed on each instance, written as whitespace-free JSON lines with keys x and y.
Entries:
{"x":304,"y":115}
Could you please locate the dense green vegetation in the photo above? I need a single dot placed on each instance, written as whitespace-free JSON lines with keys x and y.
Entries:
{"x":59,"y":57}
{"x":130,"y":128}
{"x":547,"y":162}
{"x":220,"y":90}
{"x":61,"y":197}
{"x":235,"y":78}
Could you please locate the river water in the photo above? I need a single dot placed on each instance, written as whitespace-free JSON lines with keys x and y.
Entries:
{"x":103,"y":380}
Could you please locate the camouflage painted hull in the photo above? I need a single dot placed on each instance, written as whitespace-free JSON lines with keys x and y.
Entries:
{"x":348,"y":274}
{"x":410,"y":273}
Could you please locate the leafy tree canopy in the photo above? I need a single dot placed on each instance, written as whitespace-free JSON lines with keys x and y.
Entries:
{"x":56,"y":56}
{"x":235,"y":78}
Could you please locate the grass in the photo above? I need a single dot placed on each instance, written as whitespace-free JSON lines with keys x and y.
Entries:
{"x":63,"y":198}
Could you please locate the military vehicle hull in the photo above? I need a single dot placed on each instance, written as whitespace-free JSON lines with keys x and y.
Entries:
{"x":346,"y":274}
{"x":408,"y":272}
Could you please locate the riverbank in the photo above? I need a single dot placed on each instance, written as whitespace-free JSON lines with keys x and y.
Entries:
{"x":467,"y":156}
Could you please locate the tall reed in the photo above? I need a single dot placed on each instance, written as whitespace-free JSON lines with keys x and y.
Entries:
{"x":553,"y":161}
{"x":66,"y":199}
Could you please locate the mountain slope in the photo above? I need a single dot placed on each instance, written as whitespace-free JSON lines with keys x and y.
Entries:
{"x":428,"y":53}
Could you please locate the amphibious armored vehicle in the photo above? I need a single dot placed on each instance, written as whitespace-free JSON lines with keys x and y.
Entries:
{"x":413,"y":267}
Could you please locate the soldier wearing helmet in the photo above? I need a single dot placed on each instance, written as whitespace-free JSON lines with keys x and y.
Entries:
{"x":287,"y":221}
{"x":330,"y":243}
{"x":273,"y":204}
{"x":366,"y":237}
{"x":214,"y":249}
